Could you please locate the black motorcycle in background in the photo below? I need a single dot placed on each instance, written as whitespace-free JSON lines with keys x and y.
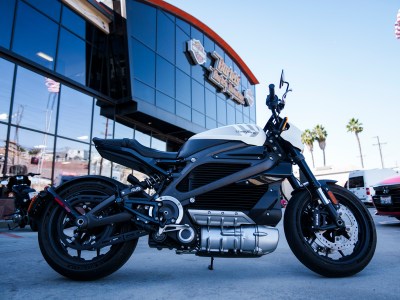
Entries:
{"x":19,"y":187}
{"x":218,"y":196}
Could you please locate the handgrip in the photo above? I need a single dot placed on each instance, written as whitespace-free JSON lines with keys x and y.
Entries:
{"x":271,"y":91}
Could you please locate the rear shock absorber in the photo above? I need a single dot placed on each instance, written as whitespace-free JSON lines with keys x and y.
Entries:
{"x":151,"y":182}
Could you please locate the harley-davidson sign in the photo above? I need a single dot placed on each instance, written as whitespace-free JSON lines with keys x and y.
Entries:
{"x":197,"y":51}
{"x":220,"y":74}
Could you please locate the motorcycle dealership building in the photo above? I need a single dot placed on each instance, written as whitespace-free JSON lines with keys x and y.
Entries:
{"x":71,"y":70}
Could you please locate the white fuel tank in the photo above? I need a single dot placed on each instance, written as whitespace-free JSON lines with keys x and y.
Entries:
{"x":250,"y":134}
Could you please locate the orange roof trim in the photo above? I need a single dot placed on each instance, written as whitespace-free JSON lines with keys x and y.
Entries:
{"x":208,"y":31}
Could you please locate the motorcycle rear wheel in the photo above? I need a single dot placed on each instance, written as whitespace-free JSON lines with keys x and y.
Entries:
{"x":67,"y":250}
{"x":331,"y":253}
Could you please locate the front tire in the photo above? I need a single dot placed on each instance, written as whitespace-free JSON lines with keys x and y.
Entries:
{"x":331,"y":253}
{"x":67,"y":250}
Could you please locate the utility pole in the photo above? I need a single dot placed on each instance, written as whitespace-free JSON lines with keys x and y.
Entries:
{"x":380,"y":149}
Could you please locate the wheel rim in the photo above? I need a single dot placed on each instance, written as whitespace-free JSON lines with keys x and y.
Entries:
{"x":334,"y":245}
{"x":81,"y":246}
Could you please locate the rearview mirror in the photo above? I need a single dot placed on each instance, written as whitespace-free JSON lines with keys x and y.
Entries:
{"x":282,"y":80}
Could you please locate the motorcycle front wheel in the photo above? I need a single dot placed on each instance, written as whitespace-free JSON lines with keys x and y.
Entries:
{"x":68,"y":250}
{"x":331,"y":252}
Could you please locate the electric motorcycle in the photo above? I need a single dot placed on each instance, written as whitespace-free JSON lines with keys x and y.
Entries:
{"x":19,"y":186}
{"x":218,"y":196}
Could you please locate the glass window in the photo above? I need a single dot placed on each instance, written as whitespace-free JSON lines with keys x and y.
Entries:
{"x":99,"y":165}
{"x":143,"y":138}
{"x":211,"y":104}
{"x":38,"y":42}
{"x":210,"y":86}
{"x":143,"y":92}
{"x":35,"y":101}
{"x":71,"y":58}
{"x":182,"y":60}
{"x":183,"y":87}
{"x":197,"y":96}
{"x":183,"y":111}
{"x":210,"y":123}
{"x":165,"y":77}
{"x":6,"y":80}
{"x":198,"y":73}
{"x":164,"y":102}
{"x":209,"y":45}
{"x":122,"y":131}
{"x":158,"y":144}
{"x":141,"y":20}
{"x":49,"y":7}
{"x":183,"y":25}
{"x":31,"y":152}
{"x":239,"y":114}
{"x":228,"y":61}
{"x":144,"y":63}
{"x":71,"y":159}
{"x":196,"y":34}
{"x":3,"y":134}
{"x":120,"y":172}
{"x":73,"y":22}
{"x":221,"y":111}
{"x":102,"y":127}
{"x":219,"y":50}
{"x":246,"y":119}
{"x":75,"y":114}
{"x":198,"y":118}
{"x":6,"y":22}
{"x":244,"y":81}
{"x":355,"y":182}
{"x":165,"y":36}
{"x":253,"y":113}
{"x":231,"y":115}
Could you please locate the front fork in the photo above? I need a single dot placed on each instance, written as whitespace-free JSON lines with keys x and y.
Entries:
{"x":327,"y":198}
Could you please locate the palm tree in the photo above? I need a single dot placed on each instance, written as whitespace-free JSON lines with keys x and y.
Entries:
{"x":320,"y":135}
{"x":355,"y":126}
{"x":308,"y":138}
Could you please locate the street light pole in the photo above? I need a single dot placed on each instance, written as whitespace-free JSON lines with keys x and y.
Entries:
{"x":380,"y":149}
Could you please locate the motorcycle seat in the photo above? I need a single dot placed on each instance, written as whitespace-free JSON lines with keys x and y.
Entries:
{"x":134,"y":145}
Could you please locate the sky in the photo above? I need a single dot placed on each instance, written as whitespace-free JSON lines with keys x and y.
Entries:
{"x":342,"y":61}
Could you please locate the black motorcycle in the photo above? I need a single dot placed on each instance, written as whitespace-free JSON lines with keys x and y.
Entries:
{"x":19,"y":187}
{"x":218,"y":196}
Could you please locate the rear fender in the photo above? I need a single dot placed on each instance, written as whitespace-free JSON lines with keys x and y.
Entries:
{"x":46,"y":198}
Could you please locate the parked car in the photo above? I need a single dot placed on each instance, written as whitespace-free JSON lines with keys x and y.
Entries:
{"x":361,"y":182}
{"x":387,"y":197}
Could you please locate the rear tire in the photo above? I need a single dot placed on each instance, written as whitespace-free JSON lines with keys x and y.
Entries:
{"x":61,"y":244}
{"x":330,"y":253}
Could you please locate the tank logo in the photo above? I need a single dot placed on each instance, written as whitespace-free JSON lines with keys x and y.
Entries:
{"x":197,"y":51}
{"x":249,"y":131}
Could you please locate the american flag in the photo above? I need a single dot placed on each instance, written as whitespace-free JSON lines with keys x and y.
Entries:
{"x":397,"y":25}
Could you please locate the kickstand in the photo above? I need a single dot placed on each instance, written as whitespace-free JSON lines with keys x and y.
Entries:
{"x":211,"y":266}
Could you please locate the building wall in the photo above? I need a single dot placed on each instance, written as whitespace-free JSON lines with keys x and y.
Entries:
{"x":63,"y":81}
{"x":165,"y":77}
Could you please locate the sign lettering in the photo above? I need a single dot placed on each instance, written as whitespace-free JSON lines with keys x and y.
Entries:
{"x":220,"y":74}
